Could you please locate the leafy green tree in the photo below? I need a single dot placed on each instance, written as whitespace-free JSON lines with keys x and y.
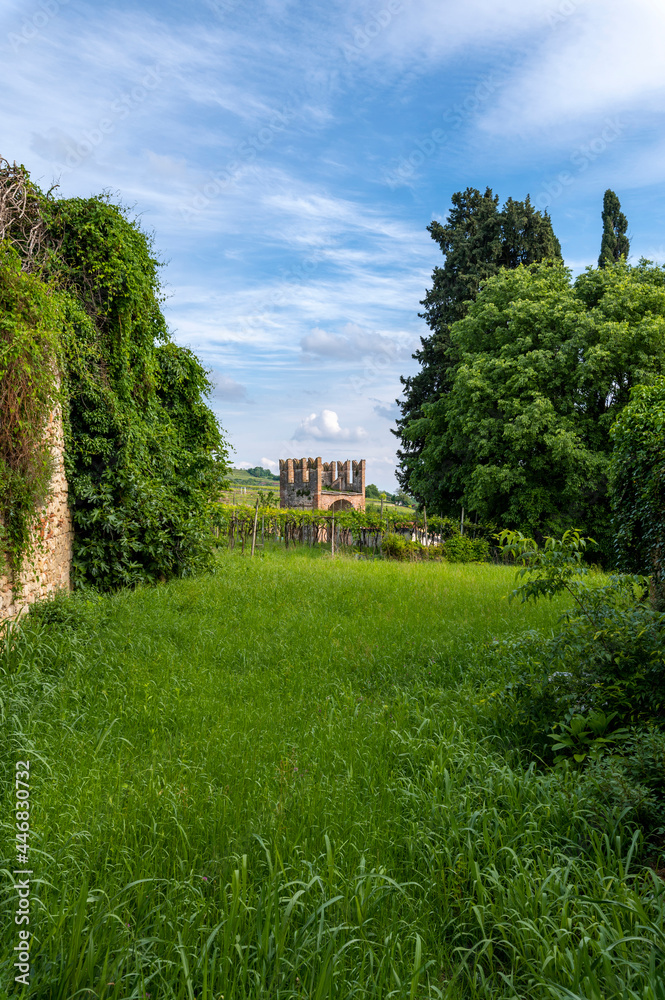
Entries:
{"x":523,"y":436}
{"x":477,"y":240}
{"x":372,"y":492}
{"x":637,"y":485}
{"x":615,"y":244}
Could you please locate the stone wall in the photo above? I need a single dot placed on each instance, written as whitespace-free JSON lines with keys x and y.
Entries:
{"x":47,"y":566}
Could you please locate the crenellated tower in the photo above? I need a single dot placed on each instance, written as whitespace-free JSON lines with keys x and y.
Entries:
{"x":312,"y":484}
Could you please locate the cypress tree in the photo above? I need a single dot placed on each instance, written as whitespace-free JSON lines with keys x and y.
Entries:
{"x":615,"y":243}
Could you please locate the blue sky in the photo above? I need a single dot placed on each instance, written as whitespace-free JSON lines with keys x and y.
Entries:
{"x":289,"y":156}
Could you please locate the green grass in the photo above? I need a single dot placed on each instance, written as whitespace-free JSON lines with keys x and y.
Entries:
{"x":278,"y":782}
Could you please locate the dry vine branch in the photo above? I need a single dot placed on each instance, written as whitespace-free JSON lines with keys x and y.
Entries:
{"x":21,"y":220}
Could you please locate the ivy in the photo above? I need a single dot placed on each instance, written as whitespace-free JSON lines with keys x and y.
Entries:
{"x":144,"y":455}
{"x":30,"y":316}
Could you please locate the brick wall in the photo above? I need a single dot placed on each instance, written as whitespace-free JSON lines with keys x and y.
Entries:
{"x":302,"y":482}
{"x":47,"y":566}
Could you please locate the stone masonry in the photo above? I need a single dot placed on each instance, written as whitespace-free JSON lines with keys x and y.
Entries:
{"x":302,"y":482}
{"x":46,"y":567}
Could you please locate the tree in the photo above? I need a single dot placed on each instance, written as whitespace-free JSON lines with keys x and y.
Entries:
{"x":544,"y":366}
{"x":477,"y":240}
{"x":637,"y":485}
{"x":615,"y":244}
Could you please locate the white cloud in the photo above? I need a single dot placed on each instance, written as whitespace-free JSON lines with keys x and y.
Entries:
{"x":604,"y":58}
{"x":268,"y":463}
{"x":326,"y":427}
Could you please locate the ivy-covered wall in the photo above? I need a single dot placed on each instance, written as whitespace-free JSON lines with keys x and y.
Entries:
{"x":47,"y":566}
{"x":81,"y":326}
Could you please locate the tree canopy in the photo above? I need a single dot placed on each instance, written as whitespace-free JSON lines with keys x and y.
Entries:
{"x":477,"y":240}
{"x":637,"y":484}
{"x":544,"y":365}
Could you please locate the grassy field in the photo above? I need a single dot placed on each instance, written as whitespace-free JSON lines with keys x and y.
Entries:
{"x":280,"y":781}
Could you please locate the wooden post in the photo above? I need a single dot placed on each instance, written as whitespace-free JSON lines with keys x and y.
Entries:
{"x":256,"y":517}
{"x":461,"y":530}
{"x":332,"y":538}
{"x":426,"y":532}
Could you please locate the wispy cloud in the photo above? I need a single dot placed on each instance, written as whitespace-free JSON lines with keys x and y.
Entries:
{"x":352,"y":343}
{"x":316,"y":169}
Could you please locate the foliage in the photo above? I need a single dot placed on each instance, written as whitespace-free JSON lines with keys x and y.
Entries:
{"x":630,"y":783}
{"x":347,"y":830}
{"x":585,"y":736}
{"x":465,"y":548}
{"x":394,"y":546}
{"x":477,"y":240}
{"x":523,"y":436}
{"x":144,"y":455}
{"x":604,"y":664}
{"x":260,"y":473}
{"x":637,"y":484}
{"x":364,"y":529}
{"x":615,"y":244}
{"x":30,"y":317}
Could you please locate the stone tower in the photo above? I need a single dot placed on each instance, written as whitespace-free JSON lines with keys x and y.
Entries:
{"x":311,"y":484}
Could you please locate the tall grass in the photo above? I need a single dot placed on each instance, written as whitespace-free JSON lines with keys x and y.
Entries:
{"x":276,"y":782}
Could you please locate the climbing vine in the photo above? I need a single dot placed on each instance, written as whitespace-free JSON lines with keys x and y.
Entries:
{"x":29,"y":377}
{"x":144,"y":455}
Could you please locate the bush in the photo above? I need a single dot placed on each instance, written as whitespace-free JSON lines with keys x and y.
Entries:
{"x":458,"y":549}
{"x":632,"y":783}
{"x":592,"y":695}
{"x":608,"y":655}
{"x":463,"y":549}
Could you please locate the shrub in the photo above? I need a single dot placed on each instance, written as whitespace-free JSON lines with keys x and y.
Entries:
{"x":608,"y":654}
{"x":637,"y":485}
{"x":632,"y":783}
{"x":463,"y":549}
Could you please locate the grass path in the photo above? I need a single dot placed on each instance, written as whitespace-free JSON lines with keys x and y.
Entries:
{"x":275,"y":782}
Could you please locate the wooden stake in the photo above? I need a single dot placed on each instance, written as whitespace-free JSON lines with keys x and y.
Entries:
{"x":426,"y":532}
{"x":332,"y":538}
{"x":256,"y":517}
